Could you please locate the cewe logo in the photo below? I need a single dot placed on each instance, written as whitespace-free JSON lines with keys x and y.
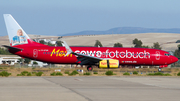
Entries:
{"x":116,"y":54}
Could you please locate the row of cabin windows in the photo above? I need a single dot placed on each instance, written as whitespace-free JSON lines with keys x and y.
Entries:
{"x":53,"y":53}
{"x":98,"y":53}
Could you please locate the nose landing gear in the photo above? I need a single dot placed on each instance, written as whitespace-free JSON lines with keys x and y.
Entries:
{"x":159,"y":69}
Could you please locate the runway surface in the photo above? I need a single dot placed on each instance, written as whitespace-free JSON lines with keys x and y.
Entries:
{"x":106,"y":88}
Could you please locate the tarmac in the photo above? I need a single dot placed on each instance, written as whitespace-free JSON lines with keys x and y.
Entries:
{"x":90,"y":88}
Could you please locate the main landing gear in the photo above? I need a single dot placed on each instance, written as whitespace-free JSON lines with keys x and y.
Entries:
{"x":89,"y":68}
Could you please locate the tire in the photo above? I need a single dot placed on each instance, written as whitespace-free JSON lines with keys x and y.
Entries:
{"x":89,"y":68}
{"x":159,"y":69}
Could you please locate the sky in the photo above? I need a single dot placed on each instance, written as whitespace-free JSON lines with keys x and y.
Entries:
{"x":58,"y":17}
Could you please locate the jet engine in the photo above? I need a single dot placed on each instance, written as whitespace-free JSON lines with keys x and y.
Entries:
{"x":109,"y":64}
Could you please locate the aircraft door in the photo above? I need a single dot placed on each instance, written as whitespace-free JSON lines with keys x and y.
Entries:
{"x":157,"y":55}
{"x":35,"y":53}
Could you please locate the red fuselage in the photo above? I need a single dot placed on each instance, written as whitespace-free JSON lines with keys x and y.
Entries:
{"x":107,"y":57}
{"x":126,"y":56}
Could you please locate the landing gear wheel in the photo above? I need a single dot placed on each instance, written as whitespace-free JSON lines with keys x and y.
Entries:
{"x":159,"y":69}
{"x":89,"y":68}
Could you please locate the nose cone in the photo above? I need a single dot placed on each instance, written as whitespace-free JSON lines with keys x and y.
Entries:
{"x":174,"y":59}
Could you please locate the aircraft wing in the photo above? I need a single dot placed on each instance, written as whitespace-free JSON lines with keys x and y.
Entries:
{"x":84,"y":59}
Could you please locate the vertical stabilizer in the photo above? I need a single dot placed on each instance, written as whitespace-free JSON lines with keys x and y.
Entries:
{"x":16,"y":34}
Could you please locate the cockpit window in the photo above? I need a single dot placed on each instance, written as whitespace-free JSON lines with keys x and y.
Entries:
{"x":167,"y":54}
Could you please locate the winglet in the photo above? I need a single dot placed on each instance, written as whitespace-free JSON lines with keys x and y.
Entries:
{"x":68,"y":49}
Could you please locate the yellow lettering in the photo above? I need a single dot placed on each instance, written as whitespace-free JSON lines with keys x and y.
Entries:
{"x":53,"y":52}
{"x":57,"y":52}
{"x":60,"y":53}
{"x":68,"y":54}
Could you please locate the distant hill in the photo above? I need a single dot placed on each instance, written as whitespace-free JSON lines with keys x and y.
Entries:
{"x":126,"y":30}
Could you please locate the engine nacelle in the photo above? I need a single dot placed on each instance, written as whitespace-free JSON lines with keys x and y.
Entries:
{"x":109,"y":64}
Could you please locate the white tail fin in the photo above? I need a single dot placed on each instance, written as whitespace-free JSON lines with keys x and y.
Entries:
{"x":16,"y":34}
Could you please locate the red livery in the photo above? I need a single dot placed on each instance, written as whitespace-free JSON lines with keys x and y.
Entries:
{"x":103,"y":57}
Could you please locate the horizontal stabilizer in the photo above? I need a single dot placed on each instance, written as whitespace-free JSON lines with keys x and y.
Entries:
{"x":12,"y":48}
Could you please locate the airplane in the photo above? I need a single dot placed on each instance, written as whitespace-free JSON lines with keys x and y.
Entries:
{"x":103,"y":57}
